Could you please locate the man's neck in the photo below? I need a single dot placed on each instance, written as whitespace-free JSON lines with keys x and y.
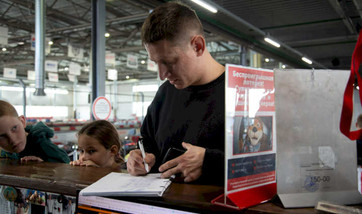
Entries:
{"x":212,"y":69}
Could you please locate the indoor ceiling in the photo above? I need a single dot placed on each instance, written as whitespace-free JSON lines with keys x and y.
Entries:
{"x":324,"y":31}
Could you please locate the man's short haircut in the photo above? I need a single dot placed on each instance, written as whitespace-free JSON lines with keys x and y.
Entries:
{"x":6,"y":109}
{"x":170,"y":21}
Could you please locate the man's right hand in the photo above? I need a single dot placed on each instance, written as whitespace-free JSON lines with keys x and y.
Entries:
{"x":135,"y":165}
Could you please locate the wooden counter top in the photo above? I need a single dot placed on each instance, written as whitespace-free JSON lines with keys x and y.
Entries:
{"x":49,"y":177}
{"x":67,"y":179}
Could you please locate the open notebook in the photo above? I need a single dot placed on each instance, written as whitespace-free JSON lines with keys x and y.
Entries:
{"x":124,"y":184}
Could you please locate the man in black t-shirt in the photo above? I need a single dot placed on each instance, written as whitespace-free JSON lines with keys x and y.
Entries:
{"x":188,"y":109}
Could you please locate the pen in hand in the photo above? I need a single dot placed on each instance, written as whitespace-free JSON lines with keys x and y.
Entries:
{"x":140,"y":144}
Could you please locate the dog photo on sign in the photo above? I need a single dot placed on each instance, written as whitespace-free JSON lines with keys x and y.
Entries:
{"x":252,"y":134}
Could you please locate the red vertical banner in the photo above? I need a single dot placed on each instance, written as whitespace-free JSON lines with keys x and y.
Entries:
{"x":250,"y":151}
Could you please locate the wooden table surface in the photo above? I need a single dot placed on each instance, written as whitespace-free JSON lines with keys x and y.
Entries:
{"x":67,"y":179}
{"x":49,"y":177}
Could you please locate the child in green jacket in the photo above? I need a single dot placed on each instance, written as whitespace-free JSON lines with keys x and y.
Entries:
{"x":27,"y":143}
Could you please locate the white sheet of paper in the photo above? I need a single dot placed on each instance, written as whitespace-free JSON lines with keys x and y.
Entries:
{"x":123,"y":184}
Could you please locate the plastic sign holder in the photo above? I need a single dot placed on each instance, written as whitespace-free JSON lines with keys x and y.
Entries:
{"x":315,"y":161}
{"x":250,"y":143}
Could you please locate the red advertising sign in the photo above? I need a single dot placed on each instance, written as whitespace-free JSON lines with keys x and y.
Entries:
{"x":250,"y":137}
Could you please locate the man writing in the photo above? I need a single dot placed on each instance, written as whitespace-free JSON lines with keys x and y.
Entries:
{"x":188,"y":109}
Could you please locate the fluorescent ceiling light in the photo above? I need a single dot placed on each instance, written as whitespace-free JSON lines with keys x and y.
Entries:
{"x":32,"y":90}
{"x":140,"y":88}
{"x":55,"y":91}
{"x":307,"y":60}
{"x":11,"y":88}
{"x":270,"y":41}
{"x":205,"y":5}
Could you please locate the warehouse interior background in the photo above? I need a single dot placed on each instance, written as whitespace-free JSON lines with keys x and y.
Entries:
{"x":325,"y":32}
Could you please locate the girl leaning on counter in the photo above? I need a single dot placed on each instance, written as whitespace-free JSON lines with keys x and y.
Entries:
{"x":99,"y":145}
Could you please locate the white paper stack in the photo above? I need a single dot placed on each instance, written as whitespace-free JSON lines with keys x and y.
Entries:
{"x":123,"y":184}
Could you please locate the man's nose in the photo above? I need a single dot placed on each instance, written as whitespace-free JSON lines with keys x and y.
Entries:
{"x":163,"y":72}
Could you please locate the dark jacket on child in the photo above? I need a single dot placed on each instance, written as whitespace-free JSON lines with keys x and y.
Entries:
{"x":38,"y":144}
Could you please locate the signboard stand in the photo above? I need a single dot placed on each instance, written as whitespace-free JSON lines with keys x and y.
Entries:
{"x":247,"y":198}
{"x":250,"y":143}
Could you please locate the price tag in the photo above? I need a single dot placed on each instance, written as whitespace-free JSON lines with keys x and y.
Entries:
{"x":316,"y":179}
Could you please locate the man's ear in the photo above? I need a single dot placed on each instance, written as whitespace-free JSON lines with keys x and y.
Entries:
{"x":22,"y":120}
{"x":198,"y":44}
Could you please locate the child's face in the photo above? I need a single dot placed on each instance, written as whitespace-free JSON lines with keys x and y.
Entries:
{"x":91,"y":149}
{"x":12,"y":133}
